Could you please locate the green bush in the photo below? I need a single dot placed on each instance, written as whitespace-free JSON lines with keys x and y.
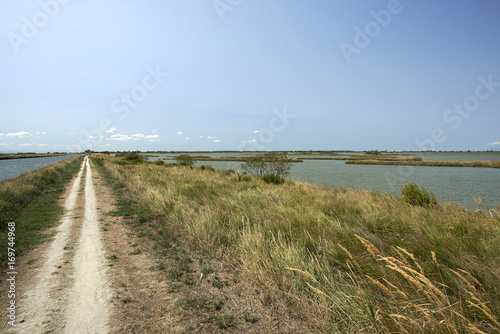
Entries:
{"x":160,"y":162}
{"x":415,"y":195}
{"x":185,"y":160}
{"x":268,"y":163}
{"x":271,"y":178}
{"x":134,"y":156}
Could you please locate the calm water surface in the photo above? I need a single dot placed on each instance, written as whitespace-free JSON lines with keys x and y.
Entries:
{"x":459,"y":185}
{"x":12,"y":168}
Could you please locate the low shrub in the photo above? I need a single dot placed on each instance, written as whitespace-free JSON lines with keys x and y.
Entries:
{"x":415,"y":195}
{"x":243,"y":177}
{"x":185,"y":160}
{"x":271,"y":178}
{"x":134,"y":156}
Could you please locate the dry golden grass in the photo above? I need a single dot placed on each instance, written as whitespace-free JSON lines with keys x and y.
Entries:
{"x":348,"y":261}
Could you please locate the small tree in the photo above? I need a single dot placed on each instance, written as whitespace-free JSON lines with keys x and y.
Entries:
{"x":271,"y":163}
{"x":185,"y":160}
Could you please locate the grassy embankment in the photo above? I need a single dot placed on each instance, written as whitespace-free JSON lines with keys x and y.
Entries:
{"x":31,"y":201}
{"x":28,"y":155}
{"x":345,"y":261}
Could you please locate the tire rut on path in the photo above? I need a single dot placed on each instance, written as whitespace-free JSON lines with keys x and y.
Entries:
{"x":49,"y":306}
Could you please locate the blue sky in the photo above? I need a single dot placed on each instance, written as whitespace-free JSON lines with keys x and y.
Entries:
{"x":249,"y":75}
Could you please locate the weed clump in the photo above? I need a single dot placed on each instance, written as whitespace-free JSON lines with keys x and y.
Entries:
{"x":415,"y":195}
{"x":271,"y":178}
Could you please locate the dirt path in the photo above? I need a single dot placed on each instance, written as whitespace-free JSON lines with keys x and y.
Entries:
{"x":69,"y":292}
{"x":88,"y":299}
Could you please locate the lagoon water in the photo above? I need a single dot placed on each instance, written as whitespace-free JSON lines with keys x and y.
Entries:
{"x":458,"y":185}
{"x":12,"y":168}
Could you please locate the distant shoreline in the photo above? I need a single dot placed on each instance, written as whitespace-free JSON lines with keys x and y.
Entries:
{"x":29,"y":155}
{"x":476,"y":164}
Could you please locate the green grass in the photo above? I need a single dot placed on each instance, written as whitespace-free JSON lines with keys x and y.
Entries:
{"x":250,"y":317}
{"x":31,"y":201}
{"x":344,"y":261}
{"x":223,"y":321}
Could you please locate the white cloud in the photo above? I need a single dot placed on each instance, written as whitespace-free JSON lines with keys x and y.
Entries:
{"x":3,"y":144}
{"x":142,"y":136}
{"x":42,"y":145}
{"x":155,"y":131}
{"x":71,"y":133}
{"x":120,"y":137}
{"x":179,"y":132}
{"x":187,"y":138}
{"x":24,"y":145}
{"x":493,"y":144}
{"x":217,"y":141}
{"x":137,"y":136}
{"x":112,"y":130}
{"x":255,"y":131}
{"x":20,"y":134}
